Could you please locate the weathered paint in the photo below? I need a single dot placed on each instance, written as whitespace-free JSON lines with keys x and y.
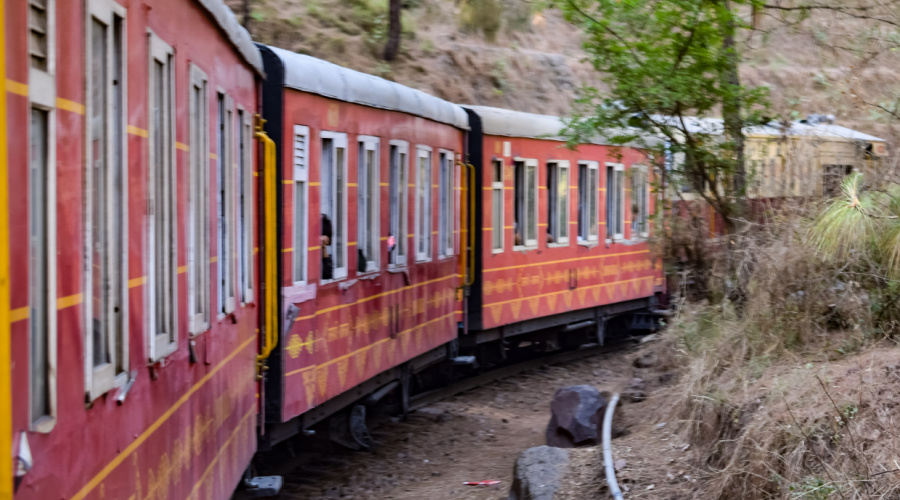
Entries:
{"x":518,"y":285}
{"x":343,"y":337}
{"x":6,"y":465}
{"x":189,"y":430}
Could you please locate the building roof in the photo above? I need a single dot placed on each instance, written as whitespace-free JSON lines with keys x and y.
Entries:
{"x":823,"y":131}
{"x":237,"y":35}
{"x":509,"y":123}
{"x":308,"y":74}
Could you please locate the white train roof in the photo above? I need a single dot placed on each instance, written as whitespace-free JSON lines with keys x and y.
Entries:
{"x":509,"y":123}
{"x":237,"y":35}
{"x":308,"y":74}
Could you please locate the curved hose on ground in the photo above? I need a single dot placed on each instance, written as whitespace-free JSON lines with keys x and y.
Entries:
{"x":607,"y":449}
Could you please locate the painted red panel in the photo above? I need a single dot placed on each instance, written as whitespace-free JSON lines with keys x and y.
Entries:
{"x":344,"y":335}
{"x":186,"y":428}
{"x":525,"y":284}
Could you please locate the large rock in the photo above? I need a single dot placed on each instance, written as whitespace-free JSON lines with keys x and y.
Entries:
{"x":538,"y":473}
{"x":576,"y":413}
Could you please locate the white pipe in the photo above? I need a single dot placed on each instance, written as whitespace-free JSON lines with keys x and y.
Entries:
{"x":607,"y":449}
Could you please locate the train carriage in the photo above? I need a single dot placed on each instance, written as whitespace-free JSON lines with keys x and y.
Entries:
{"x":369,"y":210}
{"x":130,"y":209}
{"x":562,"y":245}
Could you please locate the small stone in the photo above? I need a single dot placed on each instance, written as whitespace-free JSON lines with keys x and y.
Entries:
{"x":435,"y":474}
{"x":646,"y":361}
{"x":651,"y":486}
{"x":620,"y":464}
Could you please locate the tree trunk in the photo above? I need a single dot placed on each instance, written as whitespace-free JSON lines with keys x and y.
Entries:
{"x":392,"y":48}
{"x":731,"y":113}
{"x":245,"y":14}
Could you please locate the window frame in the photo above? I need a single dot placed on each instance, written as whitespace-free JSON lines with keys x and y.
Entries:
{"x":618,"y":170}
{"x":225,"y":223}
{"x":402,"y":150}
{"x":554,"y":203}
{"x":245,"y":220}
{"x":161,"y":202}
{"x":591,"y":197}
{"x":371,"y":217}
{"x":640,"y":224}
{"x":446,"y":208}
{"x":100,"y":380}
{"x":339,"y":141}
{"x":199,"y":300}
{"x":532,"y":165}
{"x":498,"y":186}
{"x":423,"y":220}
{"x":300,"y":224}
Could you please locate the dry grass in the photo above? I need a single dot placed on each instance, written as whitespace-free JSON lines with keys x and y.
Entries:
{"x":794,"y":395}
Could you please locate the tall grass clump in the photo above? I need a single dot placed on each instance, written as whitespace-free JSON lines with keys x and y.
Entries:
{"x":790,"y":394}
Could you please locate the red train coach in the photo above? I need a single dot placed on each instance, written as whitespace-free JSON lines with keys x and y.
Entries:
{"x":130,"y":212}
{"x":369,"y":216}
{"x":562,"y":245}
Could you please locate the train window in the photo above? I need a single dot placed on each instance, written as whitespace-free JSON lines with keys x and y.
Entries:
{"x":42,"y":270}
{"x":446,"y":210}
{"x":162,"y":283}
{"x":399,"y":200}
{"x":334,"y":205}
{"x":558,"y":202}
{"x":225,"y":203}
{"x":198,"y":205}
{"x":497,"y":205}
{"x":526,"y":206}
{"x":368,"y":195}
{"x":41,"y":30}
{"x":639,"y":202}
{"x":423,"y":203}
{"x":615,"y":201}
{"x":301,"y":203}
{"x":588,"y":189}
{"x":105,"y":183}
{"x":245,"y":205}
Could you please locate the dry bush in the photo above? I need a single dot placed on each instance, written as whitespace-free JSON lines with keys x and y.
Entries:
{"x":792,"y":394}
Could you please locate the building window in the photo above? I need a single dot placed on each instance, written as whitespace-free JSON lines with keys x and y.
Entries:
{"x":497,"y":207}
{"x":833,"y":178}
{"x":399,"y":180}
{"x":558,"y":202}
{"x":447,"y":208}
{"x":225,"y":173}
{"x":198,"y":205}
{"x":245,"y":204}
{"x":42,"y":270}
{"x":162,"y":283}
{"x":615,"y":201}
{"x":588,"y":190}
{"x":301,"y":204}
{"x":106,"y":274}
{"x":640,"y":206}
{"x":334,"y":205}
{"x":368,"y":195}
{"x":423,"y":203}
{"x":525,"y":199}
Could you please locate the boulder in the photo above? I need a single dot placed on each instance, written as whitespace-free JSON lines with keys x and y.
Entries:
{"x":635,"y":392}
{"x":538,"y":473}
{"x":576,"y":414}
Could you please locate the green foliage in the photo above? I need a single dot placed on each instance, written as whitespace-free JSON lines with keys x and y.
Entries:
{"x":664,"y":62}
{"x":813,"y":488}
{"x":482,"y":15}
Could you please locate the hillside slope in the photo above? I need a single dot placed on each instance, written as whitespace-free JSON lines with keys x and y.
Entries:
{"x":532,"y":60}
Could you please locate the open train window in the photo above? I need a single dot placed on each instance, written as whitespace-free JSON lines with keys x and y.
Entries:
{"x":558,"y":202}
{"x":615,"y":201}
{"x":245,"y":204}
{"x":640,"y":202}
{"x":525,"y":203}
{"x":368,"y":195}
{"x":105,"y":182}
{"x":399,"y":200}
{"x":588,"y":190}
{"x":301,"y":204}
{"x":198,"y":204}
{"x":162,"y":273}
{"x":225,"y":173}
{"x":333,"y":201}
{"x":423,"y":203}
{"x":497,"y":208}
{"x":447,"y":205}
